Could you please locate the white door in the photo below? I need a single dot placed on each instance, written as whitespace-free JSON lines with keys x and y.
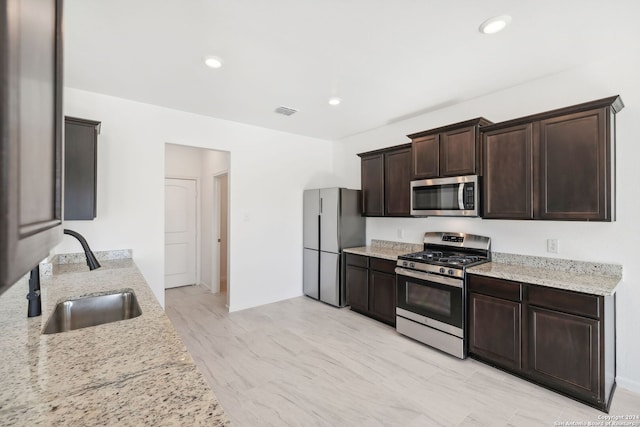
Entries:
{"x":179,"y":232}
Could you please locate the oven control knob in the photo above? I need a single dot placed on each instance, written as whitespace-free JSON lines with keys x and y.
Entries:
{"x":442,"y":270}
{"x":404,"y":263}
{"x":450,"y":272}
{"x":412,"y":265}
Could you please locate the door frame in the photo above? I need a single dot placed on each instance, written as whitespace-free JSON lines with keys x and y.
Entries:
{"x":215,"y":252}
{"x":198,"y":214}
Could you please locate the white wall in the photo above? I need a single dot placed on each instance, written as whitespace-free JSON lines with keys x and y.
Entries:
{"x":607,"y":242}
{"x":270,"y":171}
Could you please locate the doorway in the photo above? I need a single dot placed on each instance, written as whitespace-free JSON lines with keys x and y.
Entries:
{"x":221,"y":210}
{"x":209,"y":169}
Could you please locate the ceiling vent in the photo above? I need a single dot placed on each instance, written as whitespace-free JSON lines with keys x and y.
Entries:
{"x":285,"y":110}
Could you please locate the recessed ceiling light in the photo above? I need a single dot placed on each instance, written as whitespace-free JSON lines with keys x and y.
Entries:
{"x":495,"y":24}
{"x":334,"y":100}
{"x":213,"y":62}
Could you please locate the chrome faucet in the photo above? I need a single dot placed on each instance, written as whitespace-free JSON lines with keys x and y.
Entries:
{"x":92,"y":262}
{"x":35,"y":302}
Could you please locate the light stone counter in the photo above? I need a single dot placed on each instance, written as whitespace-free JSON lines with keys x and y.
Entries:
{"x":385,"y":249}
{"x":135,"y":372}
{"x":579,"y":276}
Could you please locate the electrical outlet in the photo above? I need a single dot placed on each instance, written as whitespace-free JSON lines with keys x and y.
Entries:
{"x":400,"y":233}
{"x":552,"y":246}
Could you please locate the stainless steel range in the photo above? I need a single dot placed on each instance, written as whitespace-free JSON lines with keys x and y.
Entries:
{"x":431,"y":289}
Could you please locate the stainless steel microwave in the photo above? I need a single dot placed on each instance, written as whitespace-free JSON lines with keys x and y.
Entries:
{"x":454,"y":196}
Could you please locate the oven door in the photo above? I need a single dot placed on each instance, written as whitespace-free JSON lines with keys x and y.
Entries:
{"x":436,"y":298}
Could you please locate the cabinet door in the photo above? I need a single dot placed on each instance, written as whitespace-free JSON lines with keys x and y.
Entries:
{"x":426,"y":156}
{"x":458,"y":152}
{"x":357,"y":281}
{"x":373,"y":185}
{"x":382,"y":296}
{"x":574,"y":176}
{"x":508,"y":173}
{"x":397,"y":179}
{"x":80,"y":160}
{"x":495,"y":330}
{"x":31,"y":135}
{"x":564,"y":352}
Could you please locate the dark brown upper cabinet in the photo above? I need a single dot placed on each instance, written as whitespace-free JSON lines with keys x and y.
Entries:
{"x":451,"y":150}
{"x":372,"y":175}
{"x":557,"y":165}
{"x":386,"y":178}
{"x":31,"y":135}
{"x":508,"y":172}
{"x":80,"y":165}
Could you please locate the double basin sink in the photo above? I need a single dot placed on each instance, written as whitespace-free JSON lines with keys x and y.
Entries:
{"x":91,"y":310}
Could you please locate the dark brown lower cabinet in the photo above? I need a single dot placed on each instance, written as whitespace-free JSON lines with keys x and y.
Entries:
{"x":371,"y":287}
{"x":560,"y":339}
{"x":357,"y":279}
{"x":382,"y":290}
{"x":501,"y":342}
{"x":564,"y":352}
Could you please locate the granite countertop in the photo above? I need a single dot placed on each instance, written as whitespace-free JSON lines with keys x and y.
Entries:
{"x":133,"y":372}
{"x":385,"y":249}
{"x":578,"y":276}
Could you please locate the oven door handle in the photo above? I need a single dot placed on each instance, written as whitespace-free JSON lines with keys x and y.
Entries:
{"x":448,"y":281}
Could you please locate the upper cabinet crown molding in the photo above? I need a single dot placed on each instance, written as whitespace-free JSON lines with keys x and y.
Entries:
{"x":614,"y":102}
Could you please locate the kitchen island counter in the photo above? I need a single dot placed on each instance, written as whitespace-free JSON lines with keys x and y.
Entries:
{"x":131,"y":372}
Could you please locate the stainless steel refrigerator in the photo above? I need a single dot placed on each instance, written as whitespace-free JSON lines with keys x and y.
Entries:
{"x":332,"y":221}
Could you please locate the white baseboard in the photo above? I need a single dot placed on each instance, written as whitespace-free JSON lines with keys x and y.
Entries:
{"x":628,"y":384}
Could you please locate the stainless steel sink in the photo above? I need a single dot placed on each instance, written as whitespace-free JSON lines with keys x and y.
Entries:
{"x":93,"y":310}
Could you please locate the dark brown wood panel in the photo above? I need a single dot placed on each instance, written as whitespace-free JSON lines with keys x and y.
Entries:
{"x":564,"y":352}
{"x":500,"y":288}
{"x":495,"y":330}
{"x":357,"y":283}
{"x":566,"y":301}
{"x":458,"y":152}
{"x":31,"y":135}
{"x":80,"y":168}
{"x":382,"y":296}
{"x":357,"y":260}
{"x":397,"y":181}
{"x":373,"y":185}
{"x":508,"y":173}
{"x":574,"y":175}
{"x":426,"y":157}
{"x":384,"y":265}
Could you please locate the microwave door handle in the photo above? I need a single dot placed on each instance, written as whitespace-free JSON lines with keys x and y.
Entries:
{"x":461,"y":196}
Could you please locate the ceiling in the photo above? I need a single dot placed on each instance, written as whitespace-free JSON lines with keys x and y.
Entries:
{"x":386,"y":59}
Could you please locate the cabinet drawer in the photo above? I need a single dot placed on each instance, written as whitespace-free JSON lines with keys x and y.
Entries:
{"x":499,"y":288}
{"x":358,"y":260}
{"x":383,"y":265}
{"x":565,"y":301}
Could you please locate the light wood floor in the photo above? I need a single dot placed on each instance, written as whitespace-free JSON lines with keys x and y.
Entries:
{"x":302,"y":362}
